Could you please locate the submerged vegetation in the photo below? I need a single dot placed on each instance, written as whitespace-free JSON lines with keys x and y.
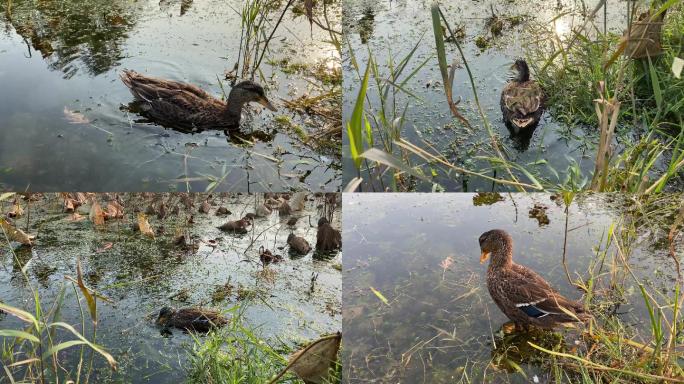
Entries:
{"x":626,"y":111}
{"x":437,"y":313}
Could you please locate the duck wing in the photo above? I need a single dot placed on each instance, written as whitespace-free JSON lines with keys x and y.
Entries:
{"x":530,"y":293}
{"x":172,"y":96}
{"x":522,"y":98}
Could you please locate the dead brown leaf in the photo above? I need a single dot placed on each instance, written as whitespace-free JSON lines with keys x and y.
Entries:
{"x":104,"y":247}
{"x":97,"y":215}
{"x":312,"y":363}
{"x":17,"y":210}
{"x":114,"y":211}
{"x":75,"y":117}
{"x":14,"y":234}
{"x":144,"y":226}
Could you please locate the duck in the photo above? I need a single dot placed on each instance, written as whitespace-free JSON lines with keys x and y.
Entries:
{"x":522,"y":100}
{"x":298,"y":245}
{"x":191,"y":319}
{"x":327,"y":238}
{"x":267,"y":257}
{"x":522,"y":294}
{"x":237,"y":226}
{"x":188,"y":108}
{"x":292,"y":221}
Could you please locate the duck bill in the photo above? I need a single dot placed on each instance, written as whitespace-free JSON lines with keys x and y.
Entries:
{"x":484,"y":256}
{"x":522,"y":123}
{"x":264,"y":101}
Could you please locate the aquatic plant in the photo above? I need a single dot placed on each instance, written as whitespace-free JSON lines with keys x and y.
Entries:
{"x":585,"y":88}
{"x":237,"y":354}
{"x":32,"y":353}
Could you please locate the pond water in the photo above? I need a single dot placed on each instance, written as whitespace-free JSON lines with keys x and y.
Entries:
{"x":440,"y":324}
{"x":140,"y":276}
{"x":63,"y":109}
{"x":391,"y":29}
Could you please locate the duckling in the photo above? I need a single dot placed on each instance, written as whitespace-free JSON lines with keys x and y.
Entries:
{"x":292,"y":221}
{"x":298,"y":245}
{"x":522,"y":100}
{"x":327,"y":238}
{"x":237,"y":226}
{"x":191,"y":319}
{"x":188,"y":108}
{"x":521,"y":294}
{"x":267,"y":257}
{"x":284,"y":208}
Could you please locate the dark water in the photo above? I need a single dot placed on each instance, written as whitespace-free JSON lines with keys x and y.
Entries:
{"x":62,"y":121}
{"x":440,"y":323}
{"x":393,"y":28}
{"x":140,"y":276}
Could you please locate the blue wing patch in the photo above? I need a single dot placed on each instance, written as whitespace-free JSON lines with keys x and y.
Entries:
{"x":532,"y":311}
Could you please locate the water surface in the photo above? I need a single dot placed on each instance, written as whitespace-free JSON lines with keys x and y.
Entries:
{"x":441,"y":323}
{"x":64,"y":124}
{"x":140,"y":276}
{"x":391,"y":29}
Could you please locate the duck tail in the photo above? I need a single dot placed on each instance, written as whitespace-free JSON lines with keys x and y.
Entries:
{"x":126,"y":77}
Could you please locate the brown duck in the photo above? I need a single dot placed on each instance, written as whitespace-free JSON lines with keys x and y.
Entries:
{"x":298,"y":245}
{"x":328,"y":238}
{"x":237,"y":226}
{"x":188,"y":108}
{"x":522,"y":100}
{"x":267,"y":257}
{"x":191,"y":319}
{"x":521,"y":294}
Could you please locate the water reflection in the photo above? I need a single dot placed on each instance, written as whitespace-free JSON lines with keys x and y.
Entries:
{"x":72,"y":35}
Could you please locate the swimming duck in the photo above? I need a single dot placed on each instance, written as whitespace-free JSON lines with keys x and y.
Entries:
{"x":298,"y":245}
{"x":521,"y":294}
{"x":522,"y":100}
{"x":237,"y":226}
{"x":327,"y":238}
{"x":191,"y":319}
{"x":186,"y":107}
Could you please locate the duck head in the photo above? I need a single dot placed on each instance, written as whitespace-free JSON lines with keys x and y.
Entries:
{"x":249,"y":91}
{"x":498,"y":245}
{"x":523,"y":71}
{"x":164,"y":316}
{"x":322,"y":221}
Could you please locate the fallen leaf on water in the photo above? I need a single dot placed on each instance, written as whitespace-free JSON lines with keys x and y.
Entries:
{"x":69,"y":205}
{"x":17,"y":210}
{"x":75,"y":217}
{"x":380,"y":296}
{"x":144,"y":226}
{"x":14,"y":234}
{"x":96,"y":214}
{"x":114,"y":211}
{"x":104,"y":247}
{"x":446,"y":263}
{"x":75,"y":117}
{"x":313,"y":362}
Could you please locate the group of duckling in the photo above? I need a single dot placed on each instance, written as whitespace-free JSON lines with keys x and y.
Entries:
{"x":328,"y":239}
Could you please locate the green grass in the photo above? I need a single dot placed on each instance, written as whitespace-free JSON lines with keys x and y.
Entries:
{"x":237,"y":354}
{"x":34,"y":352}
{"x":578,"y":77}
